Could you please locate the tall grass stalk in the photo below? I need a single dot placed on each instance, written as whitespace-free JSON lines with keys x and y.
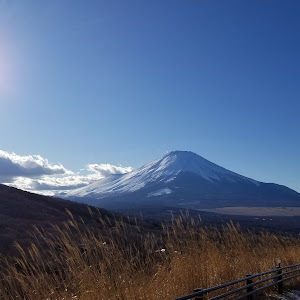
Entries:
{"x":120,"y":261}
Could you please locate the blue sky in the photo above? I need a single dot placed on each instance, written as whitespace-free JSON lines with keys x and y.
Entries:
{"x":123,"y":82}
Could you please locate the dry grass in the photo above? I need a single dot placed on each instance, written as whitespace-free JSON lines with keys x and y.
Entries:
{"x":126,"y":263}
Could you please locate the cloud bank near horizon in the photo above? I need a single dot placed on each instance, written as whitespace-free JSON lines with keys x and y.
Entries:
{"x":36,"y":174}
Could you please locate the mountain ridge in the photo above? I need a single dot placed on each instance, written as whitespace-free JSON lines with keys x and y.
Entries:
{"x":167,"y":167}
{"x":185,"y":179}
{"x":20,"y":210}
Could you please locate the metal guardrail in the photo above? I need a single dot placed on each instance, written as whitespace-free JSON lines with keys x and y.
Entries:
{"x":249,"y":287}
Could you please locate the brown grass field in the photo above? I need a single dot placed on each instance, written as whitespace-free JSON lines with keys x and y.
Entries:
{"x":126,"y":263}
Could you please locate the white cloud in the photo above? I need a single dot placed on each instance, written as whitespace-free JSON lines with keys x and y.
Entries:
{"x":107,"y":169}
{"x":13,"y":165}
{"x":34,"y":173}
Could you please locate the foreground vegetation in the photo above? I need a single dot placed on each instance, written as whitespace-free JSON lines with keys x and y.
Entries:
{"x":118,"y":261}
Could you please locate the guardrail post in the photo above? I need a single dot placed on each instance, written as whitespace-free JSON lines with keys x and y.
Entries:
{"x":280,"y":284}
{"x":198,"y":297}
{"x":249,"y":288}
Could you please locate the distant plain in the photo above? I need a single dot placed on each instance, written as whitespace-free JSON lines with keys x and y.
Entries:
{"x":256,"y":211}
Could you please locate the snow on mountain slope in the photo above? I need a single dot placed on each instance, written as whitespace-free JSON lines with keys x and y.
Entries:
{"x":164,"y":170}
{"x":165,"y":191}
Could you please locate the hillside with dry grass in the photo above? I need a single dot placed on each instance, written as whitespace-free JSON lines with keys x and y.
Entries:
{"x":128,"y":263}
{"x":20,"y":210}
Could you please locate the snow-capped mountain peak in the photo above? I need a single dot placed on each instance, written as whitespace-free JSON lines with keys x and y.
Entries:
{"x":182,"y":179}
{"x":164,"y":169}
{"x":186,"y":161}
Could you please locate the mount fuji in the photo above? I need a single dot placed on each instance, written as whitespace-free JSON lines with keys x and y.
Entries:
{"x":183,"y":179}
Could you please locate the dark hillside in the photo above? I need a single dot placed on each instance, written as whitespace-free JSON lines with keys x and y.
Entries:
{"x":20,"y":210}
